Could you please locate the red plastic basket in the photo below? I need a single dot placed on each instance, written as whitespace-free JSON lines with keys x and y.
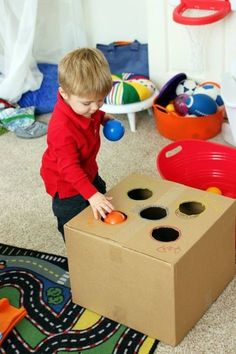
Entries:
{"x":199,"y":164}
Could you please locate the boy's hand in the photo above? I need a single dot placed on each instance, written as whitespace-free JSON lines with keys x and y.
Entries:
{"x":106,"y":118}
{"x":100,"y":205}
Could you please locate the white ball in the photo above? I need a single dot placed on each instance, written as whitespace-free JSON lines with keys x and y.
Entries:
{"x":187,"y":86}
{"x":211,"y":90}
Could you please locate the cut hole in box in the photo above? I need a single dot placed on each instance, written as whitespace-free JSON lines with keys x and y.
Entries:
{"x":139,"y":194}
{"x":153,"y":213}
{"x":191,"y":208}
{"x":165,"y":234}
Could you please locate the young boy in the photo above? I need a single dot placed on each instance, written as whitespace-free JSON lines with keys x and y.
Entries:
{"x":69,"y":167}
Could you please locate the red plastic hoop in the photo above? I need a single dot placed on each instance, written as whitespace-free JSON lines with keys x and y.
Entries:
{"x":221,"y":7}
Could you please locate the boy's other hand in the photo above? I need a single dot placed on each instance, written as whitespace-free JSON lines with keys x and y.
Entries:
{"x":100,"y":205}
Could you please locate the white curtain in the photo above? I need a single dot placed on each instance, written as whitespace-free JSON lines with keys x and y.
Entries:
{"x":34,"y":31}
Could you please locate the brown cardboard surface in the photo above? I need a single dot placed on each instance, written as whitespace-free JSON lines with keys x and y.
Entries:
{"x":159,"y":288}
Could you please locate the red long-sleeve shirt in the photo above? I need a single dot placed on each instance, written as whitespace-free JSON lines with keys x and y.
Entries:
{"x":69,"y":163}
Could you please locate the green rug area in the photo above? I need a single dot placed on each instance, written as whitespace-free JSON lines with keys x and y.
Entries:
{"x":54,"y":324}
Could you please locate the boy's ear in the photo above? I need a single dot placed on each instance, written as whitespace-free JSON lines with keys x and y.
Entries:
{"x":63,"y":93}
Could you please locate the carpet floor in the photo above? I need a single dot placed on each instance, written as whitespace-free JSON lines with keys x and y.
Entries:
{"x":26,"y":219}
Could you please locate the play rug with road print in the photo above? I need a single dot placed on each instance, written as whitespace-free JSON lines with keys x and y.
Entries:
{"x":40,"y":283}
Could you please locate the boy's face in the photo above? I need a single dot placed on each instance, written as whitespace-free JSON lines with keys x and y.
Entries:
{"x":81,"y":105}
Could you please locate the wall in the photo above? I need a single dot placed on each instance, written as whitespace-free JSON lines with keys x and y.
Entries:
{"x":205,"y":56}
{"x":111,"y":20}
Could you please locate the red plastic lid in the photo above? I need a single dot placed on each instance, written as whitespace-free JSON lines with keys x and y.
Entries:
{"x":221,"y":8}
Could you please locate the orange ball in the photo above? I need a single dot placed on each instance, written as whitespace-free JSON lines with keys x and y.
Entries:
{"x":215,"y":190}
{"x":114,"y":217}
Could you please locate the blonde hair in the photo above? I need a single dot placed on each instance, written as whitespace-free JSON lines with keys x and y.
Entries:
{"x":85,"y":72}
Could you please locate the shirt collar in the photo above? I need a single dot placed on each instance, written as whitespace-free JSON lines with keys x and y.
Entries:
{"x":68,"y":111}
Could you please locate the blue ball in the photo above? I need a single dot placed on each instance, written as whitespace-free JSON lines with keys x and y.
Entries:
{"x":113,"y":130}
{"x":201,"y":105}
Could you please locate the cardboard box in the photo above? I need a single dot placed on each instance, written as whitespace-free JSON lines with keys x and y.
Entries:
{"x":161,"y":269}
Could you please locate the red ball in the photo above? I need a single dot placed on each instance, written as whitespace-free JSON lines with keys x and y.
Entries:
{"x":180,"y":104}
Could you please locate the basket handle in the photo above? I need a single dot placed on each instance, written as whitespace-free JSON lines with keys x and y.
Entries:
{"x":163,"y":109}
{"x":160,"y":108}
{"x":173,"y":151}
{"x":221,"y":8}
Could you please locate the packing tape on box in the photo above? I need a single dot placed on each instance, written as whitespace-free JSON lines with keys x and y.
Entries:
{"x":171,"y":196}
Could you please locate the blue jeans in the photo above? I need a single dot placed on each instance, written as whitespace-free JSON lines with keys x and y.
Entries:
{"x":66,"y":208}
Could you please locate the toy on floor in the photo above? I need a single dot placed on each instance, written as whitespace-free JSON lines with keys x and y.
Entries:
{"x":130,"y":93}
{"x":199,"y":164}
{"x":9,"y":317}
{"x":186,"y":109}
{"x":162,"y":254}
{"x":113,"y":130}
